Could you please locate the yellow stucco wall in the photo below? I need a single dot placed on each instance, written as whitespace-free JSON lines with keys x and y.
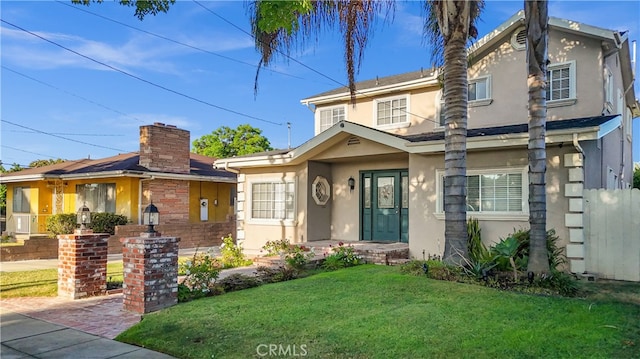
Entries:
{"x":213,"y":191}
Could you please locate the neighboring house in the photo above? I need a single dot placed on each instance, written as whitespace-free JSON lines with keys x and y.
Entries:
{"x":185,"y":187}
{"x":374,"y":170}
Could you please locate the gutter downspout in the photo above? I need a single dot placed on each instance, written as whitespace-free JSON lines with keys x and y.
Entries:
{"x":140,"y":198}
{"x":577,"y":146}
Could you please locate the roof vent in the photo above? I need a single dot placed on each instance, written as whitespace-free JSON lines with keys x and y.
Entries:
{"x":519,"y":39}
{"x":353,"y":141}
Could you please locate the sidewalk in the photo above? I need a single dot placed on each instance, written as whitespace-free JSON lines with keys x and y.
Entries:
{"x":25,"y":337}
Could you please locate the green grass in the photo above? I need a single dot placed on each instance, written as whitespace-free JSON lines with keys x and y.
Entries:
{"x":42,"y":283}
{"x":376,"y":312}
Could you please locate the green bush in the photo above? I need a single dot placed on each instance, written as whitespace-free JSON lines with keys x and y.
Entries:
{"x":273,"y":275}
{"x":276,"y":248}
{"x":107,"y":222}
{"x":342,"y":257}
{"x":238,"y":281}
{"x":201,"y":273}
{"x":64,"y":223}
{"x":232,"y":255}
{"x":434,"y":269}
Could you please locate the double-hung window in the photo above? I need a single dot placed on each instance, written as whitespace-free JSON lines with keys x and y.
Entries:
{"x":608,"y":89}
{"x":272,"y":200}
{"x":392,"y":112}
{"x":330,"y":116}
{"x":21,"y":203}
{"x":99,"y":197}
{"x":479,"y":91}
{"x":493,"y":192}
{"x":561,"y":83}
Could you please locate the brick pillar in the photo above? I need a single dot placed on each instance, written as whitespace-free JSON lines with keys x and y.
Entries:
{"x":82,"y":265}
{"x":150,"y":273}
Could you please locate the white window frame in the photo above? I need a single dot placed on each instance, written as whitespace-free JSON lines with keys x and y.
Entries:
{"x":628,"y":123}
{"x":571,"y":65}
{"x":272,"y":221}
{"x":24,"y":200}
{"x":321,"y":127}
{"x":405,"y":123}
{"x":439,"y":105}
{"x":608,"y":89}
{"x":495,"y":215}
{"x":514,"y":39}
{"x":487,"y":100}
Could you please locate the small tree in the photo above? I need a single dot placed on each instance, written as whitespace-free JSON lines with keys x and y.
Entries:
{"x":228,"y":142}
{"x":636,"y":176}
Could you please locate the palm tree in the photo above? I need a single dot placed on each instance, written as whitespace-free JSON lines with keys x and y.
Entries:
{"x":537,"y":26}
{"x":449,"y":25}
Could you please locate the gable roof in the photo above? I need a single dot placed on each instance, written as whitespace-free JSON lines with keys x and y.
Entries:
{"x":425,"y":78}
{"x":122,"y":165}
{"x":558,"y":131}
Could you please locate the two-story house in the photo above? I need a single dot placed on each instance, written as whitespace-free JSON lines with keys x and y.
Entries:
{"x":374,"y":170}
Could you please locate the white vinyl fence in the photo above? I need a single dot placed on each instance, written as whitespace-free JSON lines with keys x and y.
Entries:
{"x":612,"y":233}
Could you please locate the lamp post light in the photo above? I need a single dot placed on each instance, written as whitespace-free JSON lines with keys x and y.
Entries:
{"x":83,"y":217}
{"x":151,"y":217}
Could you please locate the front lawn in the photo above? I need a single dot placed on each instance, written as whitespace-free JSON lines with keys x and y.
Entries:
{"x":376,"y":312}
{"x":44,"y":282}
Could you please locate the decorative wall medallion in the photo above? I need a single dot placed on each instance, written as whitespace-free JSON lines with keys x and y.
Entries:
{"x":320,"y":191}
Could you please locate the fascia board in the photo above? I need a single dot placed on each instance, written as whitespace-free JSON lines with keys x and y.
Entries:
{"x":24,"y":178}
{"x":609,"y":126}
{"x":374,"y":91}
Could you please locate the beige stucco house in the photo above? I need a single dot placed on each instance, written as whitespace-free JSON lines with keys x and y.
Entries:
{"x":374,"y":170}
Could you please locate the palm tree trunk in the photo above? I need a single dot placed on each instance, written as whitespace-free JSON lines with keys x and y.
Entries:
{"x":537,"y":20}
{"x":455,"y":157}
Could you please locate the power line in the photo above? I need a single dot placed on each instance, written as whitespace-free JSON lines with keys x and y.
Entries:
{"x":302,"y":64}
{"x":140,"y":78}
{"x":25,"y":151}
{"x":71,"y":94}
{"x":71,"y":134}
{"x":174,"y":41}
{"x":64,"y":138}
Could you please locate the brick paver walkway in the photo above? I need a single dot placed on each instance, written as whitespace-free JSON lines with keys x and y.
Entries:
{"x":103,"y":316}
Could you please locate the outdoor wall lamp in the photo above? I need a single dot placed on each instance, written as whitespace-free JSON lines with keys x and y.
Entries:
{"x":151,"y":217}
{"x":352,"y":183}
{"x":83,"y":216}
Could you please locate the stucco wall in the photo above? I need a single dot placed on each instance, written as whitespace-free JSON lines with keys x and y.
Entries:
{"x":219,"y":196}
{"x":426,"y":232}
{"x":320,"y":227}
{"x":345,"y":218}
{"x":255,"y":233}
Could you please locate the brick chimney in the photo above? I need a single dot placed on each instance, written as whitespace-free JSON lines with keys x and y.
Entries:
{"x":164,"y":148}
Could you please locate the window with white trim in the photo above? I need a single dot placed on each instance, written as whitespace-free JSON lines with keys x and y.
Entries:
{"x":330,"y":116}
{"x":391,"y":111}
{"x":608,"y":89}
{"x":272,"y":200}
{"x":561,"y":79}
{"x":440,"y":114}
{"x":492,"y":191}
{"x":479,"y":89}
{"x":99,"y":197}
{"x":21,"y":200}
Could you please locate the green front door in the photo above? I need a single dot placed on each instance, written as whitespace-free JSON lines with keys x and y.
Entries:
{"x":384,"y":206}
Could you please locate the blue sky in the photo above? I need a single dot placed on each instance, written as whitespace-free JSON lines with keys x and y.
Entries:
{"x":57,"y":104}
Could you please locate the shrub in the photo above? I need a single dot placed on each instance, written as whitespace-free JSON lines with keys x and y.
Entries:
{"x":238,"y":281}
{"x":276,"y":248}
{"x":274,"y":275}
{"x":107,"y":222}
{"x":298,"y":256}
{"x":232,"y":255}
{"x":64,"y":223}
{"x":201,"y":273}
{"x":342,"y":257}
